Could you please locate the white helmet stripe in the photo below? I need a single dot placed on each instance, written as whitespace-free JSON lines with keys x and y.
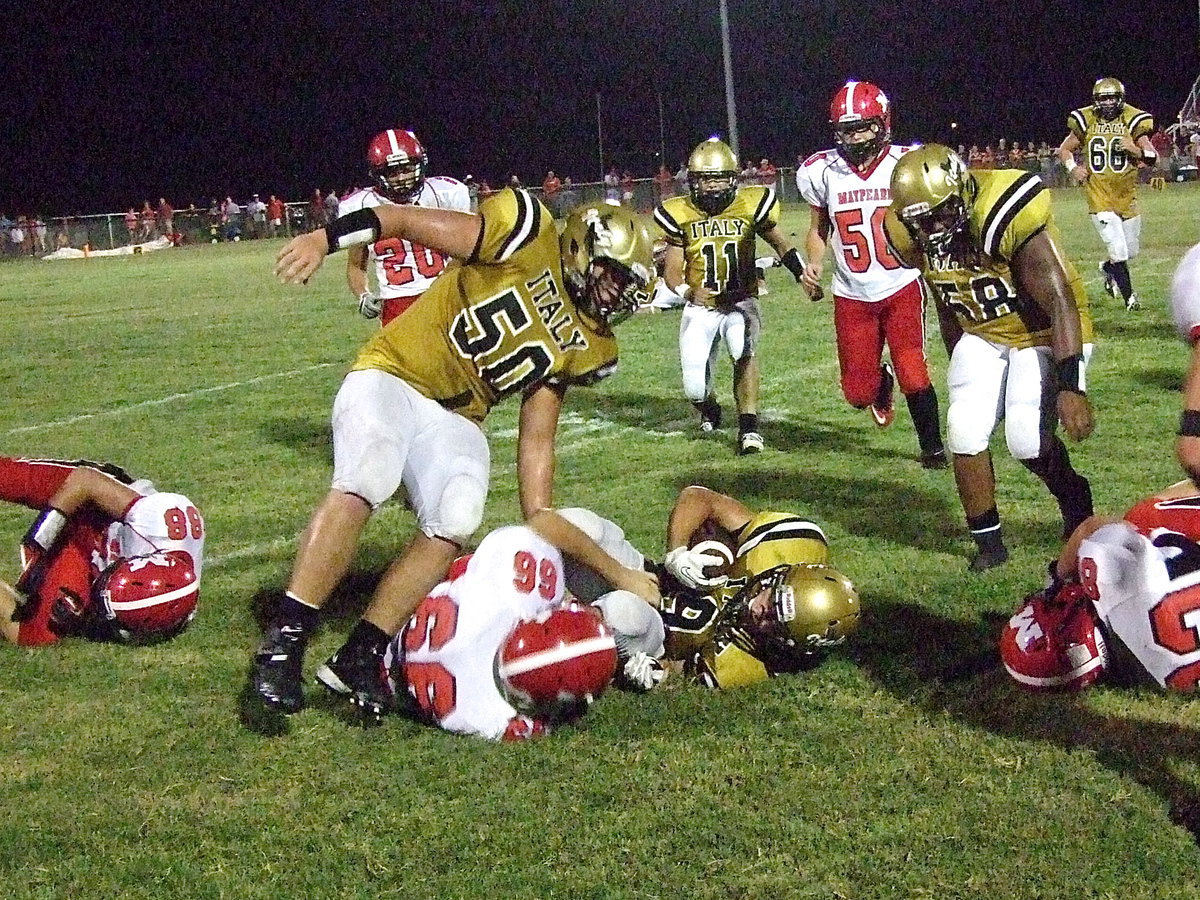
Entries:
{"x":558,"y":654}
{"x":157,"y":598}
{"x":395,"y":144}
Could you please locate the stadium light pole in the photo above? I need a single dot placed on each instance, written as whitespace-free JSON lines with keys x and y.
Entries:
{"x":599,"y":136}
{"x":662,"y":143}
{"x":730,"y":106}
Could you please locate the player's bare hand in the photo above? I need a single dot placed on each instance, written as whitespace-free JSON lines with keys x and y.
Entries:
{"x":1080,"y":174}
{"x":1075,"y":412}
{"x":301,"y":257}
{"x":702,"y":296}
{"x":811,"y":281}
{"x":644,"y":584}
{"x":1129,"y":146}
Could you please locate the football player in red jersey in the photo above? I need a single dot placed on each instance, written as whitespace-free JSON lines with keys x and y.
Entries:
{"x":497,"y":650}
{"x":1124,"y":594}
{"x":403,"y":269}
{"x":876,"y":298}
{"x":108,"y":557}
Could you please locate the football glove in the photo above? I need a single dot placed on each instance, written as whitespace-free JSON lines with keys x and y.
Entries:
{"x":369,"y":305}
{"x":39,"y":540}
{"x":642,"y":673}
{"x":688,"y":566}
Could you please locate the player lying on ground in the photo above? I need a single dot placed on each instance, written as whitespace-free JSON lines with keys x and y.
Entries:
{"x":1122,"y":600}
{"x":746,"y":595}
{"x":108,"y":557}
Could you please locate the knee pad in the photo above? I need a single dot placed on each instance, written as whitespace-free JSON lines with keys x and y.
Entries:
{"x":1023,"y":434}
{"x":967,"y":433}
{"x":460,"y":510}
{"x":636,"y":626}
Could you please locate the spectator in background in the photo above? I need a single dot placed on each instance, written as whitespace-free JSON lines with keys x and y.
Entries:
{"x":37,"y":226}
{"x":166,"y":217}
{"x":1003,"y":158}
{"x":316,"y":210}
{"x":551,"y":185}
{"x":569,"y":197}
{"x":256,"y":212}
{"x":768,"y":174}
{"x":231,"y":219}
{"x":664,"y":183}
{"x":514,"y":182}
{"x":62,"y":238}
{"x":627,"y":188}
{"x":612,"y":185}
{"x":19,"y":235}
{"x":131,"y":224}
{"x":974,"y":157}
{"x":681,"y":178}
{"x":473,"y":191}
{"x":749,"y":174}
{"x":331,"y":205}
{"x":274,"y":215}
{"x":146,"y":230}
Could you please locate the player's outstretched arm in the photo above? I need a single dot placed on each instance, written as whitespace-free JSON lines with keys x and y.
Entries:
{"x":1041,"y":274}
{"x":575,"y":543}
{"x":537,"y":426}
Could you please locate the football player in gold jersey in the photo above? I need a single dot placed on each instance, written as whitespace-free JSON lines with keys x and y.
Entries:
{"x":711,"y":238}
{"x":1014,"y":318}
{"x":774,"y":606}
{"x":522,"y":312}
{"x":1115,"y":139}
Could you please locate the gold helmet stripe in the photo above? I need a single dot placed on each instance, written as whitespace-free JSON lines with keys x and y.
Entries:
{"x":529,"y":223}
{"x":1008,"y":207}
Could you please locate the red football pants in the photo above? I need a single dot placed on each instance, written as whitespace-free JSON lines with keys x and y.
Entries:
{"x":862,"y":328}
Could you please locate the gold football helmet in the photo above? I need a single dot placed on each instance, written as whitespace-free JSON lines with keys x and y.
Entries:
{"x":607,"y":260}
{"x":932,"y":193}
{"x":790,"y":615}
{"x":712,"y":176}
{"x":1108,"y":98}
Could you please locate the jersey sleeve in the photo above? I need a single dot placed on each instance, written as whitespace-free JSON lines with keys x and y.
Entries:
{"x":31,"y":482}
{"x":1185,"y":296}
{"x":664,"y":218}
{"x":811,"y":183}
{"x":766,"y":213}
{"x":1021,"y":212}
{"x":452,"y":194}
{"x":1141,"y":125}
{"x":1077,"y":123}
{"x":512,"y":220}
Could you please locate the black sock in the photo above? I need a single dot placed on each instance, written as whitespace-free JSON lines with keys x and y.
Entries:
{"x":1071,"y":490}
{"x":709,"y":409}
{"x":747,"y":422}
{"x":299,"y":615}
{"x":1120,"y":274}
{"x":369,"y":636}
{"x":923,"y":407}
{"x":985,"y":529}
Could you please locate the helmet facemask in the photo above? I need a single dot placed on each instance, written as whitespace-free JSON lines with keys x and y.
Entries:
{"x":853,"y":147}
{"x":1108,"y":98}
{"x":611,"y":292}
{"x":935,"y":229}
{"x":712,"y":192}
{"x":401,"y":182}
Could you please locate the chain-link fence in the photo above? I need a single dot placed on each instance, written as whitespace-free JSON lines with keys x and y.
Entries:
{"x":110,"y":231}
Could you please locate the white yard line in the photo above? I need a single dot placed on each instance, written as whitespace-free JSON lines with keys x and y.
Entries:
{"x":172,"y":398}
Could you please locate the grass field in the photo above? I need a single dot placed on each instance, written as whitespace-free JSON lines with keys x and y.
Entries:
{"x":906,"y":766}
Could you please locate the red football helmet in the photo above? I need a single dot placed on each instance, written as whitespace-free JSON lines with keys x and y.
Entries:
{"x":860,"y":106}
{"x":398,"y":163}
{"x":152,"y":596}
{"x":1055,"y":644}
{"x":558,"y":662}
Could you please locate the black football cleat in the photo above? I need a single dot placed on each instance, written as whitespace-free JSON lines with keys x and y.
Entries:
{"x":277,"y":669}
{"x":357,"y":673}
{"x":988,"y":559}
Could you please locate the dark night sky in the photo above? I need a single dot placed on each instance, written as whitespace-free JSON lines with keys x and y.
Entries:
{"x":105,"y":109}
